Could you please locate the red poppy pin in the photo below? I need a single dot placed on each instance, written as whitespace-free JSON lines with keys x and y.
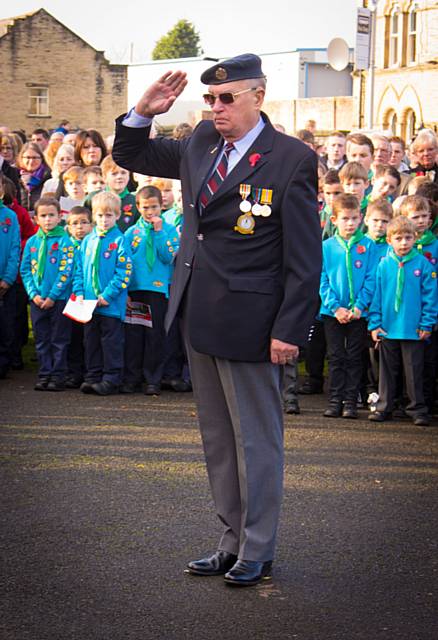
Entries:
{"x":127,"y":207}
{"x":361,"y":248}
{"x":112,"y":245}
{"x":254,"y":158}
{"x":428,"y":255}
{"x":33,"y":249}
{"x":8,"y":221}
{"x":55,"y":246}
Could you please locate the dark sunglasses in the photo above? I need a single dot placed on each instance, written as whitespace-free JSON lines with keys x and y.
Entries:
{"x":225,"y":98}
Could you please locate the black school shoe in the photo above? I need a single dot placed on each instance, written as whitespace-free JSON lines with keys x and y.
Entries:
{"x":105,"y":388}
{"x":379,"y":416}
{"x":334,"y":410}
{"x":73,"y":383}
{"x":292,"y":408}
{"x":42,"y":384}
{"x":350,"y":411}
{"x":421,"y":420}
{"x":56,"y":385}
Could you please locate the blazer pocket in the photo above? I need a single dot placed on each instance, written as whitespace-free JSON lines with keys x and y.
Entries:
{"x":252,"y":285}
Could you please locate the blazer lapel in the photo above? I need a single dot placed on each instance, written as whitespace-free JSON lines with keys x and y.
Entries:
{"x":262,"y":145}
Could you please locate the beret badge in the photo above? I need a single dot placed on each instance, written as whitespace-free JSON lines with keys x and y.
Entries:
{"x":221,"y":73}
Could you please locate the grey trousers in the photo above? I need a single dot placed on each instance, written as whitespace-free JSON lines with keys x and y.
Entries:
{"x":241,"y":422}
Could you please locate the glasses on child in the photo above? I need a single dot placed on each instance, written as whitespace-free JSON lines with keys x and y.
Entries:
{"x":225,"y":98}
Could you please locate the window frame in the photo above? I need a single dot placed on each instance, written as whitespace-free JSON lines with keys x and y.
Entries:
{"x":39,"y":101}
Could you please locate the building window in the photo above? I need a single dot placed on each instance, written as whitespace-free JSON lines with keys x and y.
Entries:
{"x":412,"y":35}
{"x":408,"y":125}
{"x":394,"y":33}
{"x":38,"y":101}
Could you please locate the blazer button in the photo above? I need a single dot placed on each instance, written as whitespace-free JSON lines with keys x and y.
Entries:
{"x":192,"y":205}
{"x":188,"y":265}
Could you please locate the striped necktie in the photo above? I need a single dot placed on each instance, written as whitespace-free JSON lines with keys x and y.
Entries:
{"x":217,"y":177}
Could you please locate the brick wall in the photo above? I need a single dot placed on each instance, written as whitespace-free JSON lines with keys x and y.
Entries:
{"x":83,"y":87}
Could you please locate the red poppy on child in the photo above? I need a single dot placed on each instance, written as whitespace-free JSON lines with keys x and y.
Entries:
{"x":127,"y":209}
{"x":254,"y":158}
{"x":112,"y":246}
{"x":55,"y":246}
{"x":136,"y":231}
{"x":428,"y":255}
{"x":33,"y":249}
{"x":361,"y":248}
{"x":8,"y":221}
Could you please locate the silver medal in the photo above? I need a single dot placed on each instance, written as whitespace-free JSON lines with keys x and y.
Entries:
{"x":257,"y":209}
{"x":266,"y":211}
{"x":245,"y":206}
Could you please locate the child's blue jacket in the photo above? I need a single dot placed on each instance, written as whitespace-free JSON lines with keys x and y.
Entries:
{"x":334,"y":290}
{"x":419,"y":303}
{"x":115,"y":271}
{"x":58,"y":270}
{"x":9,"y":245}
{"x":166,"y":245}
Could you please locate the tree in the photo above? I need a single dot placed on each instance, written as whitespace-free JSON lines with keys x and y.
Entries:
{"x":182,"y":41}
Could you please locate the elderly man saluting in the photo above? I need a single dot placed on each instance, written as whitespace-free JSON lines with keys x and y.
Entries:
{"x":245,"y":285}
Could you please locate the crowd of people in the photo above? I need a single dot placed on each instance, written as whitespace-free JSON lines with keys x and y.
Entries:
{"x":75,"y":225}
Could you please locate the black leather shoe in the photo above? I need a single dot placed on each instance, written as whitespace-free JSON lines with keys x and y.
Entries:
{"x":350,"y":412}
{"x":176,"y":384}
{"x":421,"y":420}
{"x":105,"y":388}
{"x":247,"y":573}
{"x":333,"y":411}
{"x":152,"y":390}
{"x":56,"y":385}
{"x":292,"y":408}
{"x":216,"y":565}
{"x":87,"y":387}
{"x":379,"y":416}
{"x":42,"y":384}
{"x":73,"y":383}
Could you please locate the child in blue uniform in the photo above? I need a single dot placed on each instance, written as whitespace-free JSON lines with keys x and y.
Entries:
{"x":46,"y":271}
{"x":102,"y":272}
{"x":417,"y":209}
{"x":347,"y":284}
{"x":403,"y":311}
{"x":79,"y":225}
{"x":9,"y":261}
{"x":154,"y":244}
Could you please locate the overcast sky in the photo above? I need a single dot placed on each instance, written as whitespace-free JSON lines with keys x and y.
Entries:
{"x":226,"y":28}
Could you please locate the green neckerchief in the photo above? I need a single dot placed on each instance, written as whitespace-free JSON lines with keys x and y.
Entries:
{"x":57,"y":232}
{"x":427,"y":238}
{"x":124,"y":193}
{"x":381,"y":240}
{"x":150,"y":253}
{"x":401,"y":261}
{"x":347,"y":245}
{"x":96,"y":262}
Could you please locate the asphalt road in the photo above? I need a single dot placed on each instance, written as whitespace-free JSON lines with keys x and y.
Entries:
{"x":104,"y":500}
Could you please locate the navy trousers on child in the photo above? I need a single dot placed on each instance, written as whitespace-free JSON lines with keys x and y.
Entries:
{"x":52,"y":336}
{"x":395,"y":356}
{"x":7,"y":313}
{"x":345,"y":344}
{"x":104,"y":340}
{"x":75,"y":354}
{"x":144,"y":346}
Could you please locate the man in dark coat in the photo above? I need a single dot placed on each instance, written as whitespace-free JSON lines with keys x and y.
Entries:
{"x":246,"y":286}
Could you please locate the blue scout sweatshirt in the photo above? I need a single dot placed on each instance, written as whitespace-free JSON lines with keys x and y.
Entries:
{"x":429,"y":251}
{"x":380,"y":250}
{"x":419,"y":301}
{"x":334,"y":290}
{"x":9,"y":245}
{"x":165,"y":245}
{"x":58,"y":268}
{"x":114,"y":272}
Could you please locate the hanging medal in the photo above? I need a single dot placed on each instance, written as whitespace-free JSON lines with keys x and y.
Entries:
{"x":245,"y":190}
{"x":266,"y":201}
{"x":256,"y":208}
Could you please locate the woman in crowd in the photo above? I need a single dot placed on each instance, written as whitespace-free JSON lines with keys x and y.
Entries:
{"x":33,"y":174}
{"x":90,"y":148}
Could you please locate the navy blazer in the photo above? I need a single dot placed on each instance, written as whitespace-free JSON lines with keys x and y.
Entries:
{"x":239,"y":290}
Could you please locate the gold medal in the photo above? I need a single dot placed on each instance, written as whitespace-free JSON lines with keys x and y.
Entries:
{"x":245,"y":224}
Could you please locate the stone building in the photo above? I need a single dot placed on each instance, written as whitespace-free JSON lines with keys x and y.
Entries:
{"x":406,"y":68}
{"x":48,"y":73}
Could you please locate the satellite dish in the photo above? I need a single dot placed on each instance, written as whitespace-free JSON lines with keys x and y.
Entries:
{"x":338,"y":54}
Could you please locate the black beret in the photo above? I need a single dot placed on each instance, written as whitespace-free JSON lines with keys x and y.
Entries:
{"x":243,"y":67}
